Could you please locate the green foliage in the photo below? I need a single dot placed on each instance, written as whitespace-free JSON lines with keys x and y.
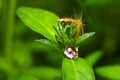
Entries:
{"x":26,"y":77}
{"x":22,"y":56}
{"x":84,"y":37}
{"x":44,"y":72}
{"x":94,"y":57}
{"x":109,"y":72}
{"x":43,"y":21}
{"x":27,"y":60}
{"x":39,"y":20}
{"x":77,"y":70}
{"x":49,"y":43}
{"x":65,"y":34}
{"x":3,"y":63}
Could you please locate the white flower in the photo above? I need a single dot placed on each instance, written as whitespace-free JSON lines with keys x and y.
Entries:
{"x":69,"y":53}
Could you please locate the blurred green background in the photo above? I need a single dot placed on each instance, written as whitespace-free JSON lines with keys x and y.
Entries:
{"x":19,"y":51}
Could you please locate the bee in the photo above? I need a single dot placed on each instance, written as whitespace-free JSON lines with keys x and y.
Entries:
{"x":71,"y":52}
{"x":74,"y":21}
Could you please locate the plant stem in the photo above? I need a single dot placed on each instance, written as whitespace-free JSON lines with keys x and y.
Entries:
{"x":10,"y":13}
{"x":8,"y":18}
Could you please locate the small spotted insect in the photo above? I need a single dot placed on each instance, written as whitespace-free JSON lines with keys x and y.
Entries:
{"x":71,"y":52}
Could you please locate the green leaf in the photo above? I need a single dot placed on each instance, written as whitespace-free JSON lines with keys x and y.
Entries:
{"x":77,"y":70}
{"x":39,"y":20}
{"x":84,"y":37}
{"x":44,"y":72}
{"x":50,"y":43}
{"x":94,"y":57}
{"x":27,"y":77}
{"x":110,"y":72}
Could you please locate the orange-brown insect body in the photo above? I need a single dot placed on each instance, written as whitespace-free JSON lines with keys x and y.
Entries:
{"x":76,"y":21}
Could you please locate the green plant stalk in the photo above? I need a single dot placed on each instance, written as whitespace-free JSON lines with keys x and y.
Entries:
{"x":8,"y":18}
{"x":10,"y":26}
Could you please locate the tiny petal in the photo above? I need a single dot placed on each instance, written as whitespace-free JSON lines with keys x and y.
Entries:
{"x":68,"y":54}
{"x":69,"y":49}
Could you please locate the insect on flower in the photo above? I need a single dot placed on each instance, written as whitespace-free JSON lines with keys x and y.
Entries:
{"x":71,"y":52}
